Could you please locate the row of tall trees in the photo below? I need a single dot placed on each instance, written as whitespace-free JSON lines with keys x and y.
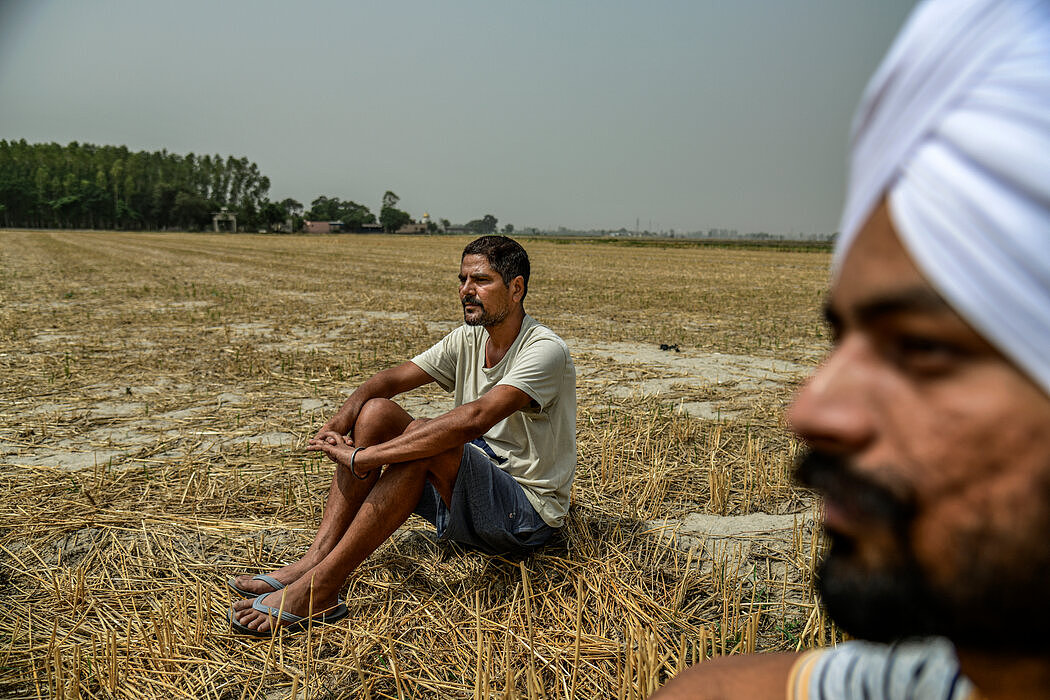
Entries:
{"x":47,"y":185}
{"x":88,"y":186}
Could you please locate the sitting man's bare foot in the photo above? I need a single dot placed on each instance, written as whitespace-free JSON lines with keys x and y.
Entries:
{"x":286,"y":575}
{"x":294,"y":599}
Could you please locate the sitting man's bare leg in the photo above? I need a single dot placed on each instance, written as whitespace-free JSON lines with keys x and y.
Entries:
{"x":380,"y":421}
{"x":359,"y":516}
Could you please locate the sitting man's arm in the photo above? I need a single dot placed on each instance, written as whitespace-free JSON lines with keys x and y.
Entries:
{"x":453,"y":429}
{"x":751,"y":677}
{"x":382,"y":385}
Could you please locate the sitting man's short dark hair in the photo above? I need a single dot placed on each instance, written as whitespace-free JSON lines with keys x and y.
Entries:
{"x":505,"y":256}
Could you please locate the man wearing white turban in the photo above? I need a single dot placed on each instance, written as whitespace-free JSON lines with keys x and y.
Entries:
{"x":928,"y":426}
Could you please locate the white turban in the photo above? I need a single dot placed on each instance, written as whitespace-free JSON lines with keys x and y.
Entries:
{"x":954,"y":129}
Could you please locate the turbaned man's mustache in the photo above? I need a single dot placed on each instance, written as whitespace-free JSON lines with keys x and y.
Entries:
{"x":832,"y":476}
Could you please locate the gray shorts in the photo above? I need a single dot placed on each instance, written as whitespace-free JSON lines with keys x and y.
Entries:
{"x":489,"y":509}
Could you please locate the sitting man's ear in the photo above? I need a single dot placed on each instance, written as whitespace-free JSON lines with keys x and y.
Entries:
{"x":517,"y":288}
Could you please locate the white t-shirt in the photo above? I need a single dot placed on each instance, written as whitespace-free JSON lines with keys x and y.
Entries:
{"x":539,"y":441}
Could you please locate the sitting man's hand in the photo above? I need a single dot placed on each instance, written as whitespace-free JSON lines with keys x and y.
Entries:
{"x":331,"y":437}
{"x":338,"y":448}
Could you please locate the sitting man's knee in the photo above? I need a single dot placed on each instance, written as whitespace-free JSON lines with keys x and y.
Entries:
{"x":376,"y":410}
{"x":379,"y":420}
{"x":416,"y":424}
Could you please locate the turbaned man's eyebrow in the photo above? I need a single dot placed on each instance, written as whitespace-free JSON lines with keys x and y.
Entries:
{"x":917,"y":299}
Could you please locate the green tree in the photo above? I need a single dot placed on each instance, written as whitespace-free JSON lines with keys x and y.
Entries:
{"x":356,"y":216}
{"x":292,"y":207}
{"x":392,"y":219}
{"x":353,"y":215}
{"x":484,"y":226}
{"x":162,"y":204}
{"x":272,"y":215}
{"x":191,"y":210}
{"x":323,"y":209}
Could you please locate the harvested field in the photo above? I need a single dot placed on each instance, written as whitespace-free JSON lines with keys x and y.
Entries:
{"x":158,"y":390}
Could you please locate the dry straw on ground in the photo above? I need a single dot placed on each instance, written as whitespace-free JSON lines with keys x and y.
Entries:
{"x":158,"y":389}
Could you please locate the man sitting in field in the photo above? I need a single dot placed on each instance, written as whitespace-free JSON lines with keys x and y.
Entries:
{"x":493,"y":473}
{"x":928,"y":425}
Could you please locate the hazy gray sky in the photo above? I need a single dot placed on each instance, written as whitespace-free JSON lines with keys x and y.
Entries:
{"x":685,"y":114}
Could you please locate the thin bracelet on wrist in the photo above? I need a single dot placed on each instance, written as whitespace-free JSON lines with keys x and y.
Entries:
{"x":352,"y":470}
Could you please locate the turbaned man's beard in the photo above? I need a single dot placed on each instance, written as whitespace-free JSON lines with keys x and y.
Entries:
{"x":992,"y":603}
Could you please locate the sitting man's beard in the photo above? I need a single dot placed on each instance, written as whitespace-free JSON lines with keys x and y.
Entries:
{"x":992,"y":601}
{"x":485,"y":319}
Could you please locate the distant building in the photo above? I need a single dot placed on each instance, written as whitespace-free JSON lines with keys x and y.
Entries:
{"x":226,"y":217}
{"x":322,"y":226}
{"x":412,"y":228}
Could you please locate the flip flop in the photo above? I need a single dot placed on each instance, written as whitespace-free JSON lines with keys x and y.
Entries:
{"x":295,"y":622}
{"x":269,"y":580}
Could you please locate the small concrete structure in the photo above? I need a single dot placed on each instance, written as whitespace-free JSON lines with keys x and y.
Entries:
{"x":322,"y":226}
{"x":224,"y":215}
{"x":412,"y":228}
